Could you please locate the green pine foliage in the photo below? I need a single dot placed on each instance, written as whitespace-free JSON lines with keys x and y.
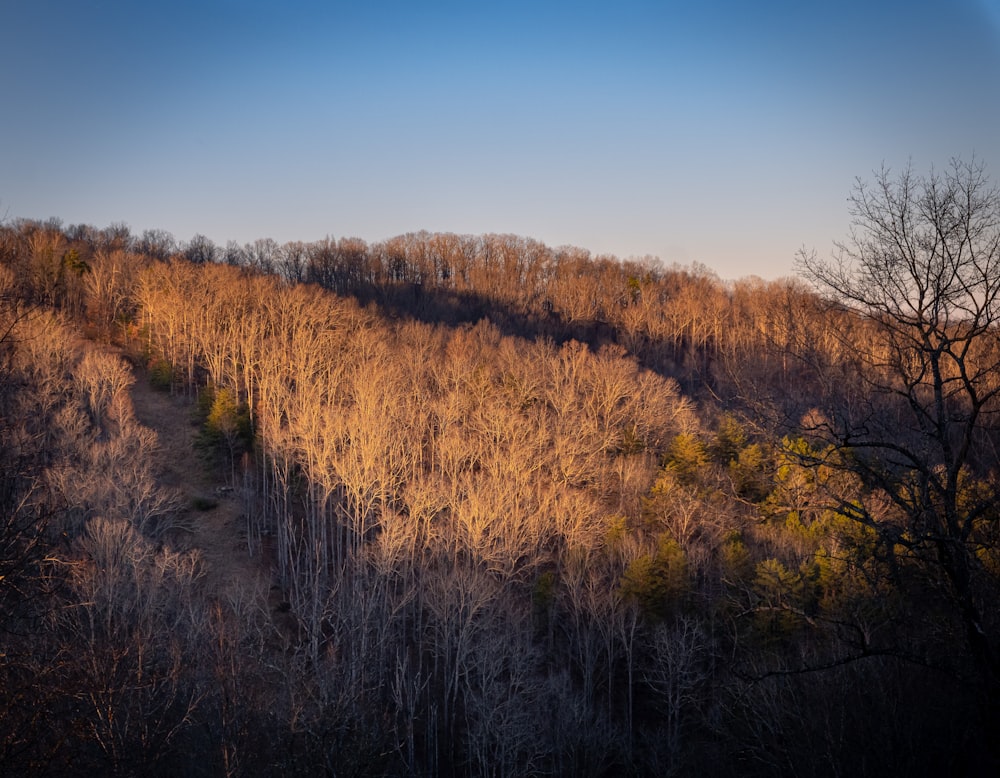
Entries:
{"x":686,"y":457}
{"x":658,"y":582}
{"x":161,"y":375}
{"x":226,"y":428}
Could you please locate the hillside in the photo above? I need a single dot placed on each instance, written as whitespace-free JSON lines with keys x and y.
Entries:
{"x":499,"y":510}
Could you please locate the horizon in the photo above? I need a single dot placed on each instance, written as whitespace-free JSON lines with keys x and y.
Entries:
{"x":717,"y":135}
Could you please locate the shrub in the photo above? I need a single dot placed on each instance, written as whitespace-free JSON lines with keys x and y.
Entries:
{"x":161,"y":375}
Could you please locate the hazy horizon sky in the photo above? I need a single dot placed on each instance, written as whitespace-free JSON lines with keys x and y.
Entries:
{"x":721,"y":132}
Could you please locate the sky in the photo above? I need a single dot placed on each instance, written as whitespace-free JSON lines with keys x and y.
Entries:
{"x":723,"y":132}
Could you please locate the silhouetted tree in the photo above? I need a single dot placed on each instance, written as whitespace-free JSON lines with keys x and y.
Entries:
{"x":922,"y":267}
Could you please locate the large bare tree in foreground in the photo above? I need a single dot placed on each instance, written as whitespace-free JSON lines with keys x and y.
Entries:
{"x":921,"y":266}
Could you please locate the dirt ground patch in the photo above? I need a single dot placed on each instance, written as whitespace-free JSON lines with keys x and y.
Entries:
{"x":212,"y":518}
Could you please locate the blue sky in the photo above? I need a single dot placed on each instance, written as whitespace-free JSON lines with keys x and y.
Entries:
{"x":721,"y":132}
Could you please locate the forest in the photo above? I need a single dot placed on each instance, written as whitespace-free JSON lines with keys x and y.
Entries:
{"x":517,"y":510}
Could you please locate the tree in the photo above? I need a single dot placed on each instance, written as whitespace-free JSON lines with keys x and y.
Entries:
{"x":916,"y":416}
{"x":156,"y":244}
{"x":201,"y":250}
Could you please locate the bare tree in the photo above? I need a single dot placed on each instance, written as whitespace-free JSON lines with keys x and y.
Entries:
{"x":921,"y":268}
{"x":201,"y":250}
{"x":131,"y":614}
{"x":674,"y":673}
{"x":156,"y":244}
{"x":108,"y":286}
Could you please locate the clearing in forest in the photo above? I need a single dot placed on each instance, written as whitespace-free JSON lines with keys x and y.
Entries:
{"x":211,"y":514}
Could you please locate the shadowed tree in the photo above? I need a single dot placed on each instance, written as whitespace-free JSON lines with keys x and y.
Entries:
{"x":200,"y":250}
{"x":917,"y":420}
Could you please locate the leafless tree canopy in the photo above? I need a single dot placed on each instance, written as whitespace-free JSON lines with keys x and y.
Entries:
{"x":923,"y":268}
{"x":500,"y":508}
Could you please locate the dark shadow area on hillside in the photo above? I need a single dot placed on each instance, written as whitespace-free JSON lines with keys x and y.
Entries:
{"x":452,"y":308}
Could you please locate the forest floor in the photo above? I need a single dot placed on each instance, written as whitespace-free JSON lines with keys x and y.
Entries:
{"x":212,"y":517}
